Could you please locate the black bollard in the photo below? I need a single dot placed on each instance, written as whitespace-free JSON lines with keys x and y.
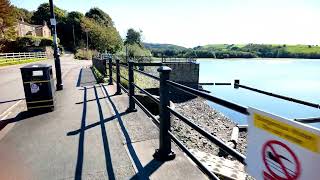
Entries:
{"x":164,"y":153}
{"x":118,"y":76}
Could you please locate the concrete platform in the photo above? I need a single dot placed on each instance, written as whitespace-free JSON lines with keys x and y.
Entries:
{"x":88,"y":136}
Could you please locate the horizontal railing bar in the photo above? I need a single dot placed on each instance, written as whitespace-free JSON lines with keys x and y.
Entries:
{"x":240,"y":157}
{"x":123,"y":64}
{"x":146,"y":74}
{"x":154,"y":119}
{"x":124,"y":78}
{"x":215,"y":83}
{"x":148,"y":94}
{"x":206,"y":83}
{"x":124,"y":89}
{"x":148,"y":64}
{"x":193,"y":158}
{"x":207,"y":96}
{"x":226,"y":84}
{"x":280,"y":96}
{"x":308,"y":120}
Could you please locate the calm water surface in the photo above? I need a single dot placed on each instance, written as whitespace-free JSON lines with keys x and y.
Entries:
{"x":297,"y":78}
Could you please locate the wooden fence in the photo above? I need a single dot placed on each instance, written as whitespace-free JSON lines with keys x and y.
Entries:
{"x":9,"y":57}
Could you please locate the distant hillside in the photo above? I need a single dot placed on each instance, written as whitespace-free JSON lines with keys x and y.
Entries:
{"x":155,"y":46}
{"x":221,"y":51}
{"x":168,"y":50}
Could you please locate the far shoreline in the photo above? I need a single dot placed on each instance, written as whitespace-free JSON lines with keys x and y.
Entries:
{"x":260,"y":59}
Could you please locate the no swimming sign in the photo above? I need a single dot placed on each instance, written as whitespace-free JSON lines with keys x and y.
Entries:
{"x":281,"y":149}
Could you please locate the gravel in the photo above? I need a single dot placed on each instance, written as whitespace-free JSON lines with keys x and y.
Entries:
{"x":209,"y":119}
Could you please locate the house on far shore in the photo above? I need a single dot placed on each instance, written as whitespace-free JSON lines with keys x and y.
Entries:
{"x":25,"y":29}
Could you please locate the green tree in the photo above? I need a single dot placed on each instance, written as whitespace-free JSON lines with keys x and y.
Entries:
{"x":102,"y":38}
{"x":7,"y":21}
{"x":100,"y":16}
{"x":43,"y":14}
{"x":72,"y":23}
{"x":133,"y":37}
{"x":21,"y":13}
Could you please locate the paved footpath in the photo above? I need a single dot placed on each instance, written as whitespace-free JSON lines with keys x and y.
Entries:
{"x":88,"y":136}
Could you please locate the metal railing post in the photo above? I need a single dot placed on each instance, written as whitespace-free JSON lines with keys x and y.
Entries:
{"x":164,"y":153}
{"x":131,"y":107}
{"x":236,"y":83}
{"x":118,"y":76}
{"x":110,"y":71}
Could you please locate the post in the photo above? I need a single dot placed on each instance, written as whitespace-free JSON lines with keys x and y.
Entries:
{"x":126,"y":53}
{"x":236,"y":83}
{"x":56,"y":53}
{"x":87,"y":41}
{"x":74,"y":37}
{"x":110,"y":70}
{"x":131,"y":107}
{"x":164,"y":153}
{"x":118,"y":76}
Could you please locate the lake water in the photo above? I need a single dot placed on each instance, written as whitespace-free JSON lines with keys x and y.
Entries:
{"x":296,"y":78}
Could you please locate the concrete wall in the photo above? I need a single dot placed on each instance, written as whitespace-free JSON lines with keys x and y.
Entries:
{"x":185,"y":73}
{"x":100,"y":65}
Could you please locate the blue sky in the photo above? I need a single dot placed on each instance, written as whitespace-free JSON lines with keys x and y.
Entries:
{"x":198,"y":22}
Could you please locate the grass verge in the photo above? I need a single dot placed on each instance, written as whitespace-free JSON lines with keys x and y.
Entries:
{"x":14,"y":62}
{"x":139,"y":79}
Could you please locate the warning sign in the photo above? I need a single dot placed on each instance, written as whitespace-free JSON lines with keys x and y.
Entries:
{"x":281,"y":149}
{"x":280,"y":161}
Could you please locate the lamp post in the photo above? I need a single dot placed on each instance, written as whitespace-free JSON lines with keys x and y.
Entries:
{"x":87,"y":30}
{"x":56,"y":54}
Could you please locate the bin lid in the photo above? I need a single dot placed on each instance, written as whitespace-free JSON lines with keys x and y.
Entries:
{"x":36,"y":66}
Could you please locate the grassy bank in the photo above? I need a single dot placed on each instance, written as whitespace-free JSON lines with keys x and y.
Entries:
{"x":139,"y":79}
{"x":6,"y":62}
{"x":82,"y":54}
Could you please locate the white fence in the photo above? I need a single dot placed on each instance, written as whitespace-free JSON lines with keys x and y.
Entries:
{"x":9,"y":57}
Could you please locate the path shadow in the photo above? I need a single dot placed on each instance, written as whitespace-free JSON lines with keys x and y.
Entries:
{"x":79,"y":165}
{"x":13,"y":100}
{"x":19,"y":117}
{"x":152,"y":166}
{"x":79,"y":78}
{"x":108,"y":158}
{"x":84,"y":127}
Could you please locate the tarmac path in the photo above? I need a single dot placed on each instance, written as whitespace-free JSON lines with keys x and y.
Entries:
{"x":12,"y":93}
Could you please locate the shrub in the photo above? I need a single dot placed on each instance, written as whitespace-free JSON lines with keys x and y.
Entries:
{"x":33,"y":41}
{"x":82,"y":54}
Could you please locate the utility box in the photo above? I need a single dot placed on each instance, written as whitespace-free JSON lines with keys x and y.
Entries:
{"x":38,"y":86}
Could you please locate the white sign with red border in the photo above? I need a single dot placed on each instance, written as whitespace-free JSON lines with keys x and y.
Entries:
{"x":282,"y":149}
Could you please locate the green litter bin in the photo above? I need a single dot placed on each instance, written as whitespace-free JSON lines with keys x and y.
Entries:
{"x":38,"y":86}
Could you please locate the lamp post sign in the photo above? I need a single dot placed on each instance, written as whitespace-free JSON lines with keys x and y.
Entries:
{"x":56,"y":54}
{"x":282,"y":149}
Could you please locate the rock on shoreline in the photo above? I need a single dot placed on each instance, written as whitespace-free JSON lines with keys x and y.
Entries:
{"x":209,"y":119}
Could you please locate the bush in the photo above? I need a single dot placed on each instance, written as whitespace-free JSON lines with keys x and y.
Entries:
{"x":33,"y":41}
{"x":82,"y":54}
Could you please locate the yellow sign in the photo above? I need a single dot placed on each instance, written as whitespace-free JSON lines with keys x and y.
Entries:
{"x":288,"y":132}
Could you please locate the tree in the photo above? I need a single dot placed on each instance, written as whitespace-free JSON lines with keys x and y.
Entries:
{"x":72,"y":23}
{"x":100,"y":16}
{"x":7,"y":21}
{"x":102,"y":38}
{"x":21,"y":13}
{"x":133,"y":37}
{"x":43,"y":14}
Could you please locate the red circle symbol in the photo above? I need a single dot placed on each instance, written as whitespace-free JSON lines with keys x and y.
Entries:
{"x":272,"y":157}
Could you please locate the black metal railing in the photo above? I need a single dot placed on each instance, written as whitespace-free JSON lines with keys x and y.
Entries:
{"x":165,"y":152}
{"x":238,"y":85}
